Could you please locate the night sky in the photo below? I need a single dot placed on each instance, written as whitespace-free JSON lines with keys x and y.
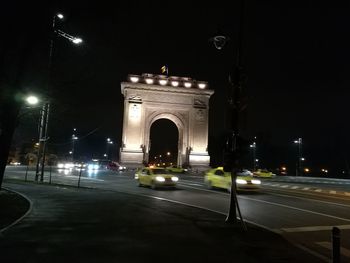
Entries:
{"x":295,"y":56}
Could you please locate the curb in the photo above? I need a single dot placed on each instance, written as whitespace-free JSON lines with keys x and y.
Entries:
{"x":23,"y":216}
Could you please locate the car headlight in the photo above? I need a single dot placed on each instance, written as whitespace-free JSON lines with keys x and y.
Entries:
{"x":136,"y":176}
{"x":96,"y":166}
{"x":160,"y":179}
{"x":90,"y":166}
{"x":174,"y":179}
{"x":241,"y":181}
{"x":60,"y":165}
{"x":256,"y":181}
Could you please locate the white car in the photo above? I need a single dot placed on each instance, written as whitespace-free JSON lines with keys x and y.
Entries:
{"x":244,"y":172}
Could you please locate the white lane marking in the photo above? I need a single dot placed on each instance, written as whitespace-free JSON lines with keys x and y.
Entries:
{"x":294,"y":187}
{"x":191,"y":182}
{"x":323,"y":258}
{"x":318,"y":190}
{"x":295,"y":208}
{"x":345,"y":252}
{"x":84,"y":178}
{"x":196,"y":184}
{"x":285,"y":186}
{"x":333,"y":192}
{"x":312,"y":228}
{"x":277,"y":231}
{"x":306,"y":188}
{"x":277,"y":204}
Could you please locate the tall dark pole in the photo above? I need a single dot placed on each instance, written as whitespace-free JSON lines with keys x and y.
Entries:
{"x":231,"y":145}
{"x":47,"y":110}
{"x":44,"y":123}
{"x":235,"y":104}
{"x":300,"y":156}
{"x":41,"y":125}
{"x":298,"y":170}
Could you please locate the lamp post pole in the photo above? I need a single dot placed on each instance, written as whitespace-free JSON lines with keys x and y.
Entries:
{"x":231,"y":146}
{"x":109,"y":141}
{"x":253,"y":146}
{"x":298,"y":170}
{"x":74,"y":138}
{"x":44,"y":121}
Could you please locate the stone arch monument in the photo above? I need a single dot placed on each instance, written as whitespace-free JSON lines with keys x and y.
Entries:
{"x":184,"y":101}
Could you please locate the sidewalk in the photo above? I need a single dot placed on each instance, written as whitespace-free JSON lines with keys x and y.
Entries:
{"x":89,"y":225}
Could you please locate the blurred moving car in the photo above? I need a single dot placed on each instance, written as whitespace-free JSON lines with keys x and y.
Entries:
{"x":175,"y":169}
{"x":155,"y":177}
{"x":114,"y":166}
{"x":263,"y":173}
{"x":218,"y":178}
{"x":244,"y":172}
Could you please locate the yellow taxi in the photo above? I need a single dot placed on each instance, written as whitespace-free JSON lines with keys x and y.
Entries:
{"x":218,"y":178}
{"x":263,"y":173}
{"x":155,"y":177}
{"x":175,"y":169}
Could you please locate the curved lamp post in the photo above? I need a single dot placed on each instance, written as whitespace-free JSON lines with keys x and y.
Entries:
{"x":44,"y":120}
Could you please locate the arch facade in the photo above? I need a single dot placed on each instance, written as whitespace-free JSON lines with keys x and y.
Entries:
{"x":183,"y":101}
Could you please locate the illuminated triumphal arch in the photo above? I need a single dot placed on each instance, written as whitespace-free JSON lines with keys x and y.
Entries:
{"x":184,"y":101}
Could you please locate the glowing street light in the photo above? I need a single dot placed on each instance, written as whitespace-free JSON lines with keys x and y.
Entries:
{"x":109,"y":142}
{"x":298,"y":170}
{"x":44,"y":120}
{"x":32,"y":100}
{"x":60,"y":16}
{"x":253,"y":147}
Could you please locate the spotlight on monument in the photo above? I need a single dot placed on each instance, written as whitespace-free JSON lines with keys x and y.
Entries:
{"x":175,"y":83}
{"x":188,"y":84}
{"x":163,"y":82}
{"x":149,"y":81}
{"x":134,"y":79}
{"x":201,"y":85}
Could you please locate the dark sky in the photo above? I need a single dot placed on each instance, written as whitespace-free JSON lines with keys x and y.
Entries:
{"x":295,"y":56}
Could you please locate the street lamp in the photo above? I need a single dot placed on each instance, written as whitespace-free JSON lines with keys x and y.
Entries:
{"x":231,"y":147}
{"x":32,"y":100}
{"x":74,"y":138}
{"x":298,"y":169}
{"x":109,"y":142}
{"x":44,"y":119}
{"x":253,"y":147}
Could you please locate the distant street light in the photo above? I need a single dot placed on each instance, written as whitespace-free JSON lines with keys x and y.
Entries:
{"x":74,"y":138}
{"x":44,"y":120}
{"x":298,"y":170}
{"x":253,"y":147}
{"x":109,"y":142}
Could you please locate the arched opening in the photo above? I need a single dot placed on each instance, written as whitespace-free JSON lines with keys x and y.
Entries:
{"x":164,"y":137}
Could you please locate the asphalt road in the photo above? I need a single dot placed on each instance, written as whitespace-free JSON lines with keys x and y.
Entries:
{"x":303,"y":210}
